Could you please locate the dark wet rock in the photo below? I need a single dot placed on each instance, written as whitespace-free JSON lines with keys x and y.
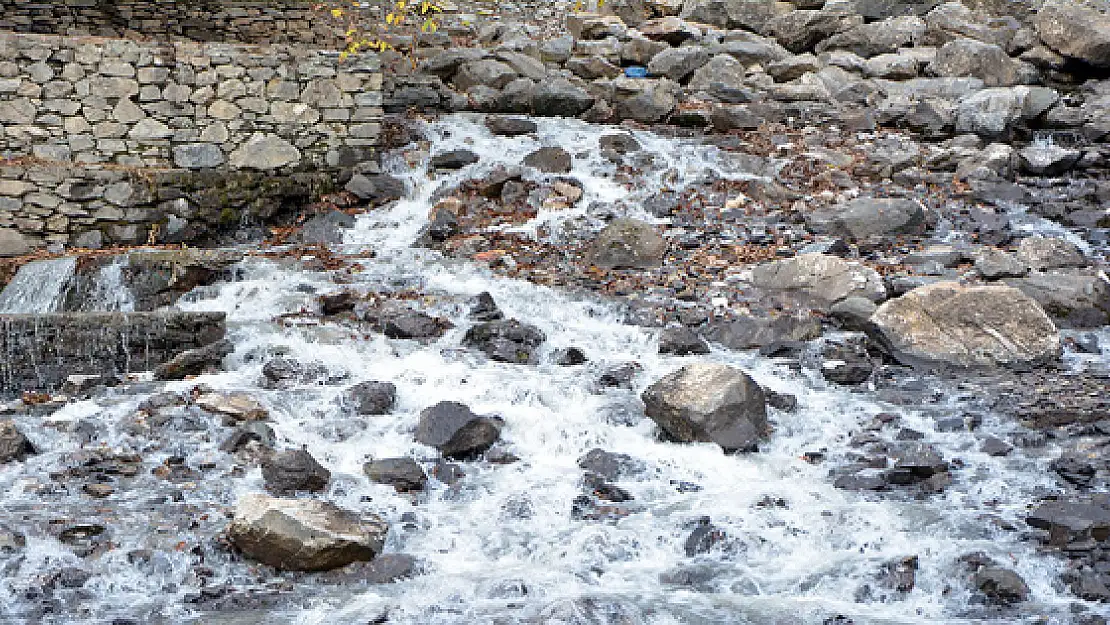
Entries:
{"x":292,"y":471}
{"x":611,"y":465}
{"x":510,"y":126}
{"x":860,"y":481}
{"x":506,"y":340}
{"x":1000,"y":585}
{"x":442,"y":225}
{"x":1075,"y":298}
{"x":559,"y":97}
{"x":551,"y":160}
{"x":85,"y":538}
{"x":705,"y":538}
{"x":254,"y":431}
{"x":304,"y":534}
{"x":993,"y":446}
{"x":325,"y":228}
{"x":866,"y":217}
{"x":454,"y":159}
{"x":1042,"y":253}
{"x":397,"y":321}
{"x":628,"y":244}
{"x":846,"y":364}
{"x":900,"y":574}
{"x":709,"y":403}
{"x":386,"y":568}
{"x":484,"y":308}
{"x":620,"y":376}
{"x":337,"y":302}
{"x":853,"y":313}
{"x":570,"y":357}
{"x":619,"y":143}
{"x":681,"y":342}
{"x":403,"y":474}
{"x":913,"y":463}
{"x":781,"y":401}
{"x":68,"y":577}
{"x":587,"y":508}
{"x":450,"y":473}
{"x":821,"y":278}
{"x":371,"y":397}
{"x":966,"y":326}
{"x":14,"y":445}
{"x":456,"y":431}
{"x":377,"y":189}
{"x":195,"y":361}
{"x":1076,"y":468}
{"x":747,"y":332}
{"x":603,"y":490}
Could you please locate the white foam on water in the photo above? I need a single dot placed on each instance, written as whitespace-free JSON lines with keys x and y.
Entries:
{"x":501,"y":545}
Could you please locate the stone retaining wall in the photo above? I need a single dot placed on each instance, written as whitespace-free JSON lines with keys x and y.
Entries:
{"x":243,"y":21}
{"x":84,"y":118}
{"x":40,"y":351}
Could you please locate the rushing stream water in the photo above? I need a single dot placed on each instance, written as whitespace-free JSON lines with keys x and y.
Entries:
{"x":501,"y":546}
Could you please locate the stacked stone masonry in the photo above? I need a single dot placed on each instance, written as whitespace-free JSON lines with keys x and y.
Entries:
{"x":242,"y":21}
{"x":83,"y":118}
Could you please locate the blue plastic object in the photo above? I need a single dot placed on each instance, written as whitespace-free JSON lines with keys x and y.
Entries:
{"x":635,"y":71}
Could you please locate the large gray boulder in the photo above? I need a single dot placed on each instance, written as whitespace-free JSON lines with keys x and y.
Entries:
{"x":486,"y":72}
{"x":876,"y":38}
{"x":645,"y":101}
{"x":1075,"y":298}
{"x":1041,"y":253}
{"x":678,"y":63}
{"x":709,"y":403}
{"x":736,"y":14}
{"x":820,"y":277}
{"x":800,"y":31}
{"x":304,"y":534}
{"x":973,"y":326}
{"x":968,"y":57}
{"x":866,"y":216}
{"x":1076,"y":30}
{"x":628,"y":244}
{"x":560,"y":98}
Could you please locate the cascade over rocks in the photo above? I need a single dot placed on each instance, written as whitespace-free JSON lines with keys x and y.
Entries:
{"x":966,"y":326}
{"x":304,"y":534}
{"x":709,"y":403}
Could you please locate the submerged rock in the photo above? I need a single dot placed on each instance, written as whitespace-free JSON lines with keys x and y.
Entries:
{"x":304,"y":534}
{"x":709,"y":403}
{"x":1001,"y":585}
{"x":966,"y":326}
{"x":456,"y":431}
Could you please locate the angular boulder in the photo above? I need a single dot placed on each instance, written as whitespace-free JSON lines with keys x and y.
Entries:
{"x":966,"y":326}
{"x":709,"y":403}
{"x":820,"y":277}
{"x":456,"y":431}
{"x":292,"y":471}
{"x":864,"y":217}
{"x":304,"y":534}
{"x":403,"y":474}
{"x":13,"y":444}
{"x":1075,"y":30}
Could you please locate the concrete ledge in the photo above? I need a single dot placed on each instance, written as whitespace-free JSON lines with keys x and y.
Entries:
{"x":38,"y":352}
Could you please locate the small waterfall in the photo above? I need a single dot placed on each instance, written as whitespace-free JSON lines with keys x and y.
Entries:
{"x":38,"y":287}
{"x":107,"y":291}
